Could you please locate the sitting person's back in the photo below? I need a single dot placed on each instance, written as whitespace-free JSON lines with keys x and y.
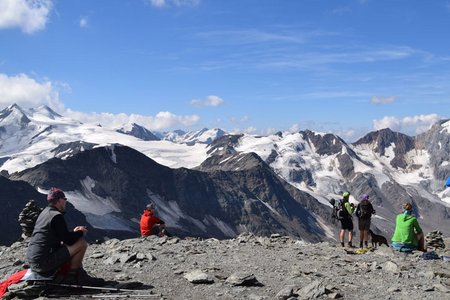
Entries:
{"x":408,"y":234}
{"x":150,"y":224}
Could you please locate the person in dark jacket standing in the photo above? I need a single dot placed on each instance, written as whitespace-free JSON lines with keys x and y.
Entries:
{"x":364,"y":212}
{"x":150,"y":224}
{"x":52,"y":245}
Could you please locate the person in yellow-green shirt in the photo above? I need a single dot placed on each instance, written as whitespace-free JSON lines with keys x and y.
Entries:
{"x":346,"y":221}
{"x":408,"y":235}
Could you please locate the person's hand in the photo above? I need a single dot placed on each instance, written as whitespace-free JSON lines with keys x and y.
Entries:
{"x":352,"y":205}
{"x":81,"y":228}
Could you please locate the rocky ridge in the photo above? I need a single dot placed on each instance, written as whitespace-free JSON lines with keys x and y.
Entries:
{"x":252,"y":267}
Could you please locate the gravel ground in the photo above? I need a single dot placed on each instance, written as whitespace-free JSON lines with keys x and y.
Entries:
{"x":251,"y":267}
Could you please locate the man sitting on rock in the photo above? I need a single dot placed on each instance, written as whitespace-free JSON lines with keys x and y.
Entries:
{"x":52,"y":245}
{"x":150,"y":224}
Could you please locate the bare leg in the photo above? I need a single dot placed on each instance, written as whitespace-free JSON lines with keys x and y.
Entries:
{"x":366,"y":235}
{"x":342,"y":235}
{"x":350,"y":236}
{"x":77,"y":252}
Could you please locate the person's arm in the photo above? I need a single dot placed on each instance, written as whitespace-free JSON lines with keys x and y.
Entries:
{"x":417,"y":227}
{"x":158,"y":220}
{"x":358,"y":209}
{"x":59,"y":225}
{"x":373,"y":210}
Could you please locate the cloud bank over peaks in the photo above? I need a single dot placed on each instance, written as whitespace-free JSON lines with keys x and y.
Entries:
{"x":411,"y":125}
{"x":161,"y":121}
{"x":27,"y":92}
{"x":29,"y":15}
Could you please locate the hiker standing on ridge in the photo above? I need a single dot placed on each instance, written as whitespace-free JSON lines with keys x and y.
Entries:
{"x":408,"y":235}
{"x":53,"y":246}
{"x":346,"y":220}
{"x":150,"y":224}
{"x":364,"y":212}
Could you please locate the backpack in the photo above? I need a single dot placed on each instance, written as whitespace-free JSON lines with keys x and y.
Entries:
{"x":340,"y":211}
{"x":365,"y":210}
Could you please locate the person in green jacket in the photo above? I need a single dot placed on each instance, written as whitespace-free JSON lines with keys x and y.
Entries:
{"x":408,"y":235}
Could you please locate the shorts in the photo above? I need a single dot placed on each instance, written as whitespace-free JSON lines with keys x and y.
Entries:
{"x":51,"y":263}
{"x":403,"y":247}
{"x":347,"y":224}
{"x":363,"y":224}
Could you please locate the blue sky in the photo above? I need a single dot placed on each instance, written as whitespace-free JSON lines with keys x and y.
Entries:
{"x":257,"y":66}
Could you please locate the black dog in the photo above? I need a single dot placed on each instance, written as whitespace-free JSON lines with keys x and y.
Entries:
{"x":378,"y":239}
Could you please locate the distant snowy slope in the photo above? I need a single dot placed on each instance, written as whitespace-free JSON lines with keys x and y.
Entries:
{"x":391,"y":167}
{"x":204,"y":136}
{"x":29,"y":138}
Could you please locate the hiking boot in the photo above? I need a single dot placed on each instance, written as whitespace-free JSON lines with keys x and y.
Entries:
{"x":361,"y":245}
{"x":81,"y":277}
{"x":85,"y":279}
{"x":350,"y":244}
{"x":342,"y":244}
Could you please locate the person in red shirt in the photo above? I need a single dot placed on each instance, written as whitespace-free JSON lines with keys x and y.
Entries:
{"x":150,"y":224}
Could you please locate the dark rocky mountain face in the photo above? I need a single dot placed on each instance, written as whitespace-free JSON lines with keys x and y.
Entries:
{"x":13,"y":197}
{"x":224,"y":145}
{"x":437,"y":142}
{"x":382,"y":139}
{"x":69,"y":149}
{"x":209,"y":202}
{"x":140,"y":132}
{"x":327,"y":144}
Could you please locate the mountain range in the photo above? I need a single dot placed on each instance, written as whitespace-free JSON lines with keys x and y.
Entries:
{"x":212,"y":184}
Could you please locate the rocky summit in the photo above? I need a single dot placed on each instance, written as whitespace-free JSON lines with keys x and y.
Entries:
{"x":252,"y":267}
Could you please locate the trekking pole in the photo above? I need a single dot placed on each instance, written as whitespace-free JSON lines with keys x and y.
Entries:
{"x":126,"y":296}
{"x":111,"y":289}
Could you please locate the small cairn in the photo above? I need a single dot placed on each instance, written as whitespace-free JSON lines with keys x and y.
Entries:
{"x":434,"y":240}
{"x":28,"y":217}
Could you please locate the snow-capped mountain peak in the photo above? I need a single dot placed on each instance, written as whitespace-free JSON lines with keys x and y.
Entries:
{"x":13,"y":115}
{"x":44,"y":112}
{"x":138,"y":131}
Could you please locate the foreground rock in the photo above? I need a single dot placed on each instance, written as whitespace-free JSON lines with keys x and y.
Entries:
{"x":251,"y":267}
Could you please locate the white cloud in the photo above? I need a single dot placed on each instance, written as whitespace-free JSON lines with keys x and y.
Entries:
{"x":409,"y":125}
{"x":27,"y":92}
{"x":84,"y":21}
{"x":162,"y":120}
{"x":29,"y":15}
{"x":211,"y":101}
{"x":382,"y":99}
{"x":177,"y":3}
{"x":294,"y":128}
{"x":239,"y":120}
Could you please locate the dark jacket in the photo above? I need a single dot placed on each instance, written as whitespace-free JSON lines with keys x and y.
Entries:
{"x":365,"y":210}
{"x":49,"y":233}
